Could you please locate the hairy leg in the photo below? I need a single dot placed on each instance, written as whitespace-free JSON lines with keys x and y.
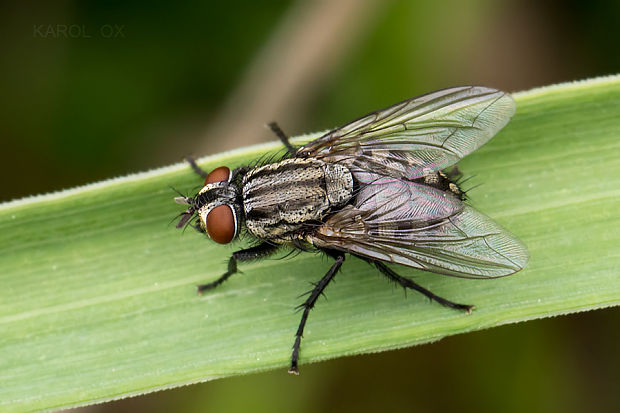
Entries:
{"x":275,"y":128}
{"x":195,"y":167}
{"x":313,"y":295}
{"x":260,"y":251}
{"x":409,"y":284}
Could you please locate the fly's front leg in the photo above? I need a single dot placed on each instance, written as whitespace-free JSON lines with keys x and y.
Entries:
{"x":195,"y":167}
{"x":275,"y":128}
{"x":260,"y":251}
{"x":204,"y":174}
{"x":309,"y":304}
{"x":407,"y":283}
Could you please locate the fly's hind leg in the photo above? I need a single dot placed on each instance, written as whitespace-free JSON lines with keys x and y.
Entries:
{"x":407,"y":283}
{"x":260,"y":251}
{"x":313,"y":295}
{"x":275,"y":128}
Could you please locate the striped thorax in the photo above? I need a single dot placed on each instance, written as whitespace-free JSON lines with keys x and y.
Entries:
{"x":278,"y":199}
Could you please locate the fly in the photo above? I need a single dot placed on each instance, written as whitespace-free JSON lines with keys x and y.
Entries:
{"x":373,"y":188}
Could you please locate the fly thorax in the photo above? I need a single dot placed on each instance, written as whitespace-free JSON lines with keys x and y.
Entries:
{"x":280,"y":198}
{"x":338,"y":184}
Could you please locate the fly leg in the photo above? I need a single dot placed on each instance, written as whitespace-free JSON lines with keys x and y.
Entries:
{"x":309,"y":304}
{"x":275,"y":128}
{"x":407,"y":283}
{"x":260,"y":251}
{"x":195,"y":167}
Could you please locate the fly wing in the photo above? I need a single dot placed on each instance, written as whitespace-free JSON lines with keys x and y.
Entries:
{"x":421,"y":227}
{"x":419,"y":135}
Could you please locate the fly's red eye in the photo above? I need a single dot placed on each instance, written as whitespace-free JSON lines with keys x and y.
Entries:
{"x":217,"y":175}
{"x":221,"y":224}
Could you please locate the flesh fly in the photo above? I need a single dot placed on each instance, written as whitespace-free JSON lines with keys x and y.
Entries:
{"x":373,"y":188}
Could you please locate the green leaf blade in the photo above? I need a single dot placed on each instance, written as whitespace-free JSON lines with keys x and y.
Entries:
{"x":98,"y":298}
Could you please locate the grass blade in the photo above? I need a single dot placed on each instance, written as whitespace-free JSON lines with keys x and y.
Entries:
{"x":98,"y":299}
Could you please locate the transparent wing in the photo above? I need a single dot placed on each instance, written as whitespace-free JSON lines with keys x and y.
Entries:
{"x":419,"y":135}
{"x":421,"y":227}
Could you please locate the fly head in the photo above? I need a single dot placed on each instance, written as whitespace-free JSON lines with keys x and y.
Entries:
{"x":216,"y":205}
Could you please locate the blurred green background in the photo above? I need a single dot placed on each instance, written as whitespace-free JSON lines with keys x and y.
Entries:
{"x":92,"y":90}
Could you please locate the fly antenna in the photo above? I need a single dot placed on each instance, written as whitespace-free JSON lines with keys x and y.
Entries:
{"x":177,"y":191}
{"x":182,"y":199}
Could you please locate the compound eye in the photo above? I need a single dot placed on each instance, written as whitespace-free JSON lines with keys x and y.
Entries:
{"x":217,"y":175}
{"x":222,"y":224}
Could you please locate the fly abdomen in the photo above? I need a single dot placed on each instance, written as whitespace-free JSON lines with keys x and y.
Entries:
{"x":279,"y":198}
